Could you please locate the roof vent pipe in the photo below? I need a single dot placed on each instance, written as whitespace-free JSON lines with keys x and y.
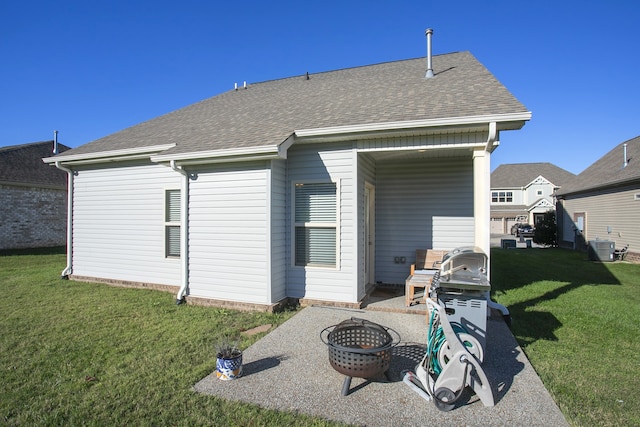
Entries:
{"x":624,"y":148}
{"x":55,"y":142}
{"x":429,"y":74}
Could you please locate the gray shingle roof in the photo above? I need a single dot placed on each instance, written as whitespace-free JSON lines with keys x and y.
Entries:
{"x":608,"y":170}
{"x":517,"y":175}
{"x":267,"y":113}
{"x":22,"y":164}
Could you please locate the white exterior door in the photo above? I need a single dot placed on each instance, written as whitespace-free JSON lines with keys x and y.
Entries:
{"x":369,"y":233}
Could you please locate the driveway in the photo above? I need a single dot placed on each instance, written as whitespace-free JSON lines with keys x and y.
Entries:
{"x":496,"y":240}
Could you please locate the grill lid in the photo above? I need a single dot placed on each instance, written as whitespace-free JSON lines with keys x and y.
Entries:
{"x":465,"y":268}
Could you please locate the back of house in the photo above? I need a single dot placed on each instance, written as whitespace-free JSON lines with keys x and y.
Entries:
{"x":313,"y":187}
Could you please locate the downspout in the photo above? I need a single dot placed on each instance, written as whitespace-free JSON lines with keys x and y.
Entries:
{"x":482,"y":173}
{"x":493,"y":136}
{"x":184,"y":232}
{"x":482,"y":183}
{"x":67,"y":271}
{"x":481,"y":192}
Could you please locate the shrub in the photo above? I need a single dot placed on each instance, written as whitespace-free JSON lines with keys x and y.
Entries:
{"x":546,"y":231}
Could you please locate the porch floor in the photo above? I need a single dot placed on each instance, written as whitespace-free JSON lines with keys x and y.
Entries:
{"x":390,"y":298}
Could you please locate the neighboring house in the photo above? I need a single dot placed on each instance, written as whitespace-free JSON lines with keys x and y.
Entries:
{"x":603,"y":202}
{"x":314,"y":187}
{"x":523,"y":192}
{"x":33,"y":197}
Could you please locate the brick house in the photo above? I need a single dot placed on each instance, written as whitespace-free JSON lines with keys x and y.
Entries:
{"x":33,"y":197}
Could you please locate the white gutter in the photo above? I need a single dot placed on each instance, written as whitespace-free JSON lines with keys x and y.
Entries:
{"x":242,"y":153}
{"x":492,"y":138}
{"x":471,"y":145}
{"x":67,"y":271}
{"x":103,"y":156}
{"x":412,"y":124}
{"x":184,"y":232}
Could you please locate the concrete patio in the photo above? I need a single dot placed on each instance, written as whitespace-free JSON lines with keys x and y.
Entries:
{"x":289,"y":370}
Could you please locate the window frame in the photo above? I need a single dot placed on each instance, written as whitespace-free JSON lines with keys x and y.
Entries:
{"x":172,"y":223}
{"x":502,"y":197}
{"x":333,"y":225}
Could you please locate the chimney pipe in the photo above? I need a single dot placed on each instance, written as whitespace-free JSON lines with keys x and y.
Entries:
{"x":429,"y":74}
{"x":624,"y":148}
{"x":55,"y":142}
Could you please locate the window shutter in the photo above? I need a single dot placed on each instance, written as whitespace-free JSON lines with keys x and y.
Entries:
{"x":173,"y":206}
{"x":315,"y":218}
{"x":316,"y":203}
{"x":173,"y":241}
{"x":172,"y":220}
{"x":315,"y":246}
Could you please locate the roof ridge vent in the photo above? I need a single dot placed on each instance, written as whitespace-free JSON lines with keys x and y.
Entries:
{"x":429,"y":74}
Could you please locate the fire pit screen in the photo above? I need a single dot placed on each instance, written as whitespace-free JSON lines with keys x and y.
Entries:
{"x":359,"y":348}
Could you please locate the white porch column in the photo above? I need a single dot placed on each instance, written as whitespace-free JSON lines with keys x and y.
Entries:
{"x":481,"y":199}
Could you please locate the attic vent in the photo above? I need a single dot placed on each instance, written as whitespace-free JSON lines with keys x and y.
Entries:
{"x":636,"y":196}
{"x":429,"y":74}
{"x":55,"y":142}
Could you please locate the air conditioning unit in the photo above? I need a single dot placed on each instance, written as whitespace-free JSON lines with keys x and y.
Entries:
{"x":601,"y":250}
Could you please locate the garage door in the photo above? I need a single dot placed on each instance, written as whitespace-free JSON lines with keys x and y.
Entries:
{"x":496,"y":226}
{"x":510,"y":223}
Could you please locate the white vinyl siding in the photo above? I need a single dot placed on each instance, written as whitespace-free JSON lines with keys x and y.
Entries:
{"x":229,"y":233}
{"x":614,"y":211}
{"x":421,"y":204}
{"x":322,"y":163}
{"x":278,"y":236}
{"x":118,"y":223}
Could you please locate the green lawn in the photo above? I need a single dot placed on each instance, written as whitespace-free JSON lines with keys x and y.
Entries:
{"x":74,"y":353}
{"x":578,"y":322}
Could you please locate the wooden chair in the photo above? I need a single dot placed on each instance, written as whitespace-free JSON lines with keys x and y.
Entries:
{"x":427,"y":262}
{"x":427,"y":259}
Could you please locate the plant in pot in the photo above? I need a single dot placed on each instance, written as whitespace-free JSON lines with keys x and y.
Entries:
{"x":228,"y":360}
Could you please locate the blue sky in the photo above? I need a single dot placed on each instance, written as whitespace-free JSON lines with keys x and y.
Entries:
{"x":92,"y":68}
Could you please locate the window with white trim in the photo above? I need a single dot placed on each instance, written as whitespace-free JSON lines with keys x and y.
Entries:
{"x":315,"y":222}
{"x":172,"y":223}
{"x":502,"y":197}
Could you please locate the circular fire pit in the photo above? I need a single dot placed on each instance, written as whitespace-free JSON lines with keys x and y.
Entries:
{"x":359,"y":348}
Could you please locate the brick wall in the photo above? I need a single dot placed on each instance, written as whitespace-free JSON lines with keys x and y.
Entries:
{"x":32,"y":217}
